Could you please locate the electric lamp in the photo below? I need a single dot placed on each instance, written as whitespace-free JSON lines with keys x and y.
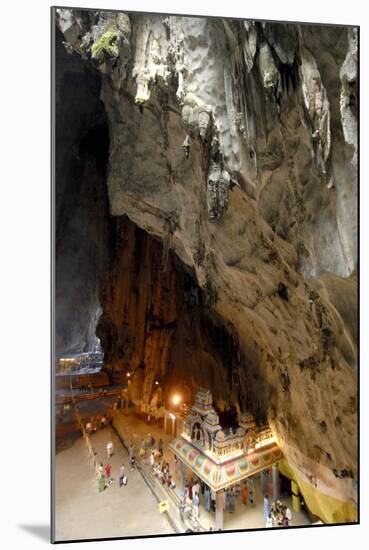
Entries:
{"x":176,"y":399}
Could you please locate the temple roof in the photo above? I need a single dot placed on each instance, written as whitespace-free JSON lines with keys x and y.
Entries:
{"x":225,"y":474}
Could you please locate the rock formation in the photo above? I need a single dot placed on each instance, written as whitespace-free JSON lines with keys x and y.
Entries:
{"x":232,"y":239}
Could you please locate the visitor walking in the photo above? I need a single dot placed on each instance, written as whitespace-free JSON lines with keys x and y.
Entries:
{"x":130,"y":451}
{"x":109,"y":449}
{"x":108,"y":471}
{"x":133,"y":462}
{"x":122,"y":476}
{"x":160,"y":447}
{"x":100,"y":470}
{"x":102,"y":483}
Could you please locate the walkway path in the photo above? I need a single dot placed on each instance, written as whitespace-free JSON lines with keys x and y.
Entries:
{"x":82,"y":512}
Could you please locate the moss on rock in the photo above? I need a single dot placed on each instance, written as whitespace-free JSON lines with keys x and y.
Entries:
{"x":106,"y":45}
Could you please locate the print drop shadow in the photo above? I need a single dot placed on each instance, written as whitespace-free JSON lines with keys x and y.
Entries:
{"x":40,"y":531}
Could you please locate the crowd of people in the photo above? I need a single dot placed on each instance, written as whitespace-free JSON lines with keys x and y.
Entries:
{"x":162,"y":472}
{"x":97,"y":422}
{"x":105,"y":478}
{"x":276,"y":513}
{"x":104,"y":472}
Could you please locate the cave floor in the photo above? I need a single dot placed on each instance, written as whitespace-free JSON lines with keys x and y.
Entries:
{"x":81,"y":512}
{"x":130,"y":427}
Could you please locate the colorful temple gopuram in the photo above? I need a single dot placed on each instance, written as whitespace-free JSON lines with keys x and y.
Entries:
{"x":222,"y":458}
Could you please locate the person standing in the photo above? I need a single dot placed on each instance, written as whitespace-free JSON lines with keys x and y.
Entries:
{"x":100,"y":470}
{"x":102,"y":483}
{"x":207,"y":498}
{"x":232,"y":500}
{"x":195,"y":504}
{"x":160,"y":447}
{"x":196,"y":488}
{"x":191,"y":484}
{"x":266,"y":507}
{"x":142,"y":450}
{"x":251,"y":496}
{"x":108,"y":471}
{"x":109,"y":449}
{"x":152,"y":459}
{"x":288,"y":515}
{"x":245,"y":494}
{"x":187,"y":491}
{"x":227,"y":500}
{"x":130,"y":451}
{"x":133,"y":462}
{"x":213,"y":499}
{"x":269,"y":521}
{"x":122,"y":475}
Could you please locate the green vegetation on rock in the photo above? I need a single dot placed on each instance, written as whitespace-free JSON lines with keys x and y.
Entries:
{"x":106,"y":44}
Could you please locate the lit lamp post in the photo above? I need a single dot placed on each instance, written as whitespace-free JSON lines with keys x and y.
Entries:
{"x":176,"y":399}
{"x":125,"y":395}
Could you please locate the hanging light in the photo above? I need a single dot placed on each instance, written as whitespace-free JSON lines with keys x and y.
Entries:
{"x":176,"y":399}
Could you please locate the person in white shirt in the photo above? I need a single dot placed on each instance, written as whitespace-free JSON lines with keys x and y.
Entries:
{"x":109,"y":449}
{"x":196,"y":488}
{"x":100,"y":470}
{"x":288,"y":515}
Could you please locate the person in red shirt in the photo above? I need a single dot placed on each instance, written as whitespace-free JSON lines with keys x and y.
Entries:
{"x":108,"y":471}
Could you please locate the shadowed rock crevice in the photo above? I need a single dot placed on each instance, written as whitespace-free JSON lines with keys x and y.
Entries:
{"x":81,"y":203}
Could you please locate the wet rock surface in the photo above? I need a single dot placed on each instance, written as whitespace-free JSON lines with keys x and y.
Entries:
{"x":232,"y":158}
